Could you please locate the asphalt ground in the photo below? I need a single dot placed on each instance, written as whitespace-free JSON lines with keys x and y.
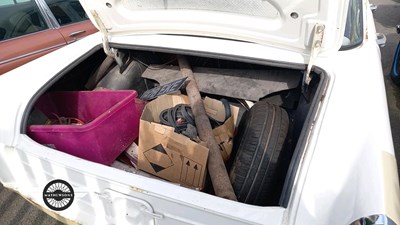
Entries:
{"x":386,"y":18}
{"x":16,"y":210}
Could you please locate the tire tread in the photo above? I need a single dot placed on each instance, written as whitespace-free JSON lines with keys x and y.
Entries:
{"x":261,"y":137}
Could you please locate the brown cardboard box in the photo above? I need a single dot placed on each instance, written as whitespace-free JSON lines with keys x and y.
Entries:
{"x":173,"y":156}
{"x":224,"y":133}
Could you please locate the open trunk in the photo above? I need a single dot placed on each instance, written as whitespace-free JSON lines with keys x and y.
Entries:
{"x":242,"y":81}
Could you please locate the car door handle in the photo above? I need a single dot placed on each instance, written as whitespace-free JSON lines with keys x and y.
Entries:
{"x":73,"y":34}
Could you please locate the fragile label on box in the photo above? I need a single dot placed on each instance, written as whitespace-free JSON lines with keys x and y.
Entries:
{"x":172,"y":156}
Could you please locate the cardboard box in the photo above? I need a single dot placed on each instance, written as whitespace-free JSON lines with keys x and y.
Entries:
{"x":223,"y":134}
{"x":173,"y":156}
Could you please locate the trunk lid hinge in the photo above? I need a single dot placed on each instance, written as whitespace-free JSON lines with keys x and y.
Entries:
{"x":112,"y":52}
{"x":317,"y":38}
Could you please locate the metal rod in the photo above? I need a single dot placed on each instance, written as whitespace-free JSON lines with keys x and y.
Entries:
{"x":215,"y":164}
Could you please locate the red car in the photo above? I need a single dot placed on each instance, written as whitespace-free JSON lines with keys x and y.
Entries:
{"x":30,"y":29}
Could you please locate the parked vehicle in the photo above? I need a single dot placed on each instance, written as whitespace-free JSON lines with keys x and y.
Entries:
{"x":313,"y":145}
{"x":30,"y":29}
{"x":395,"y":71}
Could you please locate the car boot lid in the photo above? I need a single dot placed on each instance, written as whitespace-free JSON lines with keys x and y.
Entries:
{"x":286,"y":24}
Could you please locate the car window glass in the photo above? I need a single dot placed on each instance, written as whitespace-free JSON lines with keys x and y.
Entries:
{"x":12,"y":2}
{"x":19,"y":18}
{"x":353,"y":34}
{"x":67,"y":11}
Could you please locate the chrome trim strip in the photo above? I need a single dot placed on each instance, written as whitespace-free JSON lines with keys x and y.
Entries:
{"x":32,"y":53}
{"x":49,"y":16}
{"x":25,"y":35}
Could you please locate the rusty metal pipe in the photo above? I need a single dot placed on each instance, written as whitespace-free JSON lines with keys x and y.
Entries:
{"x":215,"y":164}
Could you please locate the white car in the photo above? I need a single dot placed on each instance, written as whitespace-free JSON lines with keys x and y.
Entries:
{"x":316,"y":63}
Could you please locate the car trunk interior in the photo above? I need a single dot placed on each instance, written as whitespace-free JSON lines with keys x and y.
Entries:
{"x":242,"y":81}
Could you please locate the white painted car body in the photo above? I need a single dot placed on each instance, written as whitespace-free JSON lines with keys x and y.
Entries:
{"x":347,"y":170}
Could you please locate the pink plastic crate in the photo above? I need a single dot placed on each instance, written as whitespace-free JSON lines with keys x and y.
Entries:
{"x":111,"y":123}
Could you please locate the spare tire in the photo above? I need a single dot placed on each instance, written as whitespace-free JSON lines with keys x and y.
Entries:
{"x":258,"y":146}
